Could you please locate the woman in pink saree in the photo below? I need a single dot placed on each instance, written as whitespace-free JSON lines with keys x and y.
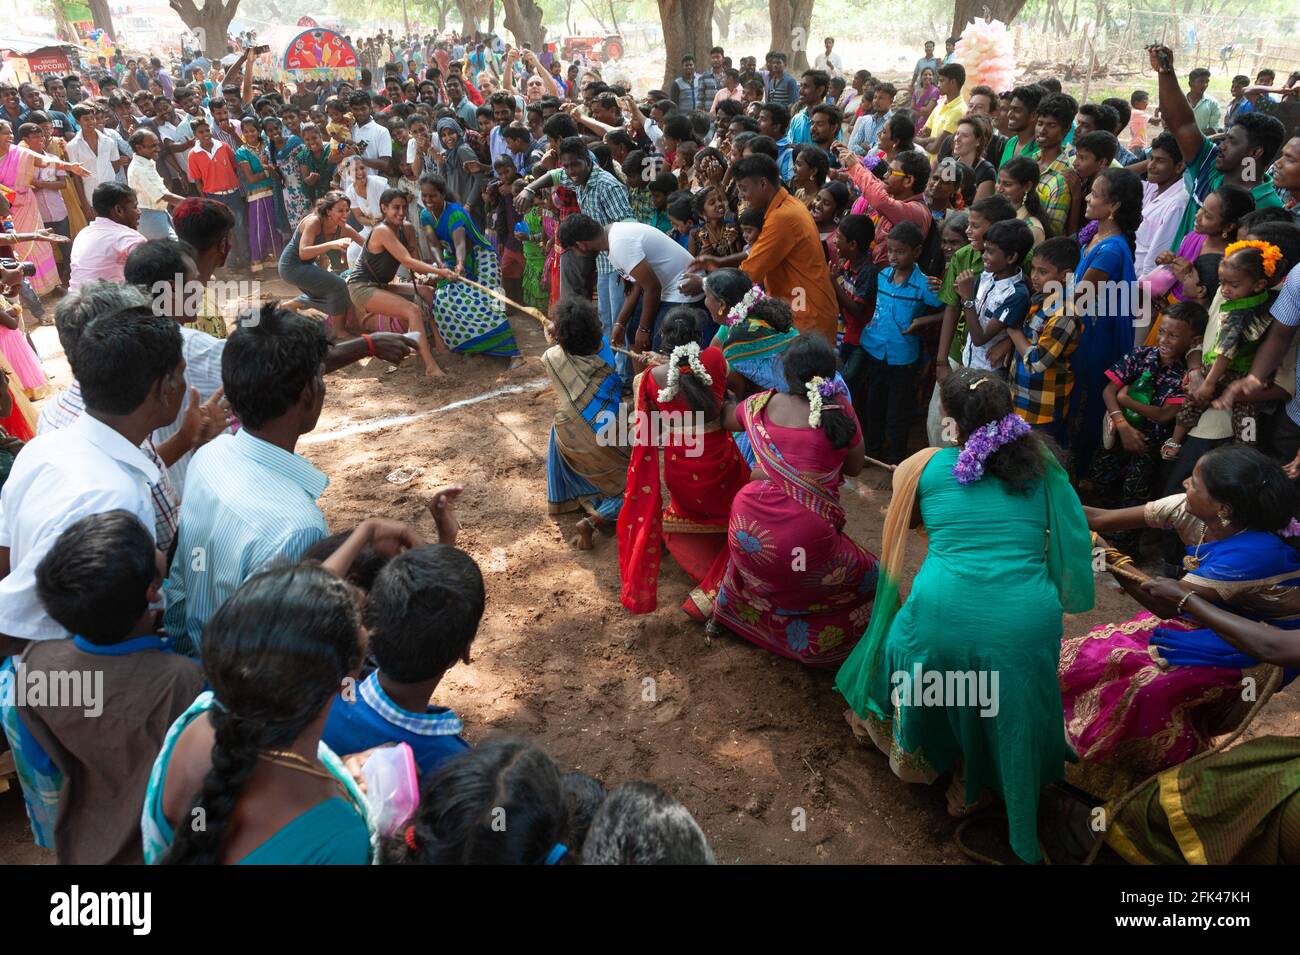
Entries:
{"x":18,"y":166}
{"x":796,"y":584}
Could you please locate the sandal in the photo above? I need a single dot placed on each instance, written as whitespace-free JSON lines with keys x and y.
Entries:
{"x":1170,"y":449}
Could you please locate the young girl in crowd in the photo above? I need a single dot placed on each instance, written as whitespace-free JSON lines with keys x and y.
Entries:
{"x":829,"y":206}
{"x":811,"y":167}
{"x":1193,"y":271}
{"x":1018,"y":181}
{"x":1245,"y":274}
{"x":254,"y":165}
{"x":750,"y":222}
{"x":714,"y":235}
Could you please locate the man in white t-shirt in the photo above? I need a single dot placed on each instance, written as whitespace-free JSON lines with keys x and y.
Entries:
{"x":641,"y":254}
{"x":829,"y":62}
{"x":378,"y":151}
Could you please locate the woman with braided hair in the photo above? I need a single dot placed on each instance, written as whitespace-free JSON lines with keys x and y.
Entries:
{"x":1000,"y":500}
{"x":796,"y":584}
{"x":679,"y":408}
{"x":243,"y":776}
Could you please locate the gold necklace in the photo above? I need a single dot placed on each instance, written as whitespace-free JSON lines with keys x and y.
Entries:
{"x":1193,"y":560}
{"x":291,"y":760}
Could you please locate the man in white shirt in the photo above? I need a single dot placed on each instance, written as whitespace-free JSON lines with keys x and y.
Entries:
{"x":155,"y":200}
{"x":99,"y":251}
{"x":1164,"y":197}
{"x":95,"y":151}
{"x":829,"y":61}
{"x":378,"y":151}
{"x":132,"y":379}
{"x":641,"y":254}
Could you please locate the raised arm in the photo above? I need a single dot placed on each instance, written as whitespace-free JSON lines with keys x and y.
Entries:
{"x":1177,"y":112}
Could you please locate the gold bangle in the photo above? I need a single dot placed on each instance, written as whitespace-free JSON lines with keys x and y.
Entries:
{"x":1187,"y":596}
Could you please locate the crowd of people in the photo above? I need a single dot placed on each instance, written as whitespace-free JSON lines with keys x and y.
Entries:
{"x":755,"y":286}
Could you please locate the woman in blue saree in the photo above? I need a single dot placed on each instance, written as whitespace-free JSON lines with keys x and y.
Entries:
{"x":1151,"y":692}
{"x":1105,"y":292}
{"x":586,"y":462}
{"x":470,"y":320}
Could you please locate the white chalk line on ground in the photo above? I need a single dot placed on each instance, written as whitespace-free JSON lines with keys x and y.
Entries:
{"x":388,"y":421}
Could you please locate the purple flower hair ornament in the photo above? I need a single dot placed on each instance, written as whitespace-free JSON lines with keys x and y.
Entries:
{"x":983,"y":442}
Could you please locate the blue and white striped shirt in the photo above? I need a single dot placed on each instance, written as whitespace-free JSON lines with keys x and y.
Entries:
{"x":248,"y":506}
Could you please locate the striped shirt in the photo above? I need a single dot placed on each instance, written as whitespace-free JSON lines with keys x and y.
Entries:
{"x":1054,"y":191}
{"x":604,"y":199}
{"x":66,"y":407}
{"x":249,"y":505}
{"x":1287,"y":311}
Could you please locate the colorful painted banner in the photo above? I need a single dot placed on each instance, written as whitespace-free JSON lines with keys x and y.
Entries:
{"x":321,"y":54}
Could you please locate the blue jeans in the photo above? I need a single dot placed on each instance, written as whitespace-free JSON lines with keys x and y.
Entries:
{"x":156,"y":224}
{"x":609,"y":299}
{"x":234,"y":201}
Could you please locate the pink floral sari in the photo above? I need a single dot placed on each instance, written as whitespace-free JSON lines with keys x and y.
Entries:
{"x":1146,"y":694}
{"x":795,"y":583}
{"x":18,"y":172}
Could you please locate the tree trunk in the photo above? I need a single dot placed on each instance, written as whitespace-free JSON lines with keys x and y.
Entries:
{"x":103,"y":17}
{"x":444,"y":8}
{"x":613,"y":16}
{"x":471,"y":15}
{"x":524,"y":19}
{"x":722,"y":17}
{"x":211,"y":21}
{"x":791,"y":26}
{"x":964,"y":11}
{"x":688,"y":28}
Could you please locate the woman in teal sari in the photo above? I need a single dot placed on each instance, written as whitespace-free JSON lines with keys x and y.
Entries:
{"x":754,"y":332}
{"x":470,"y":320}
{"x":247,"y":756}
{"x":962,"y":676}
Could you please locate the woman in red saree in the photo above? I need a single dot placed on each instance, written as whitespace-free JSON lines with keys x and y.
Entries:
{"x":679,"y":405}
{"x":796,"y":584}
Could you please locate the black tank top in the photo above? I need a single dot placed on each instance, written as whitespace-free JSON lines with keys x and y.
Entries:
{"x":378,"y":267}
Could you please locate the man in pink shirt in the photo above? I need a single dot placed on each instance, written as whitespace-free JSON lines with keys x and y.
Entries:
{"x":100,"y":249}
{"x":899,"y":198}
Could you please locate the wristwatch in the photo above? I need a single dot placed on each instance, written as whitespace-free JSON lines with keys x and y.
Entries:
{"x":969,"y":303}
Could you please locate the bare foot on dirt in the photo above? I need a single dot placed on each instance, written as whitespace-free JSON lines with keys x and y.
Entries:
{"x":432,"y":370}
{"x":586,"y":535}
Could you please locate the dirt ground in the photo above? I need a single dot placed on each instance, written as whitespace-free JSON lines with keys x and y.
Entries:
{"x":751,"y":743}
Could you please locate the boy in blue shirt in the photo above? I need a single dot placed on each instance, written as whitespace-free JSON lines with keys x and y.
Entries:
{"x":422,"y":614}
{"x":903,"y":295}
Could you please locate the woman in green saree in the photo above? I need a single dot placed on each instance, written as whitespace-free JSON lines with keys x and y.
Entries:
{"x":962,"y":676}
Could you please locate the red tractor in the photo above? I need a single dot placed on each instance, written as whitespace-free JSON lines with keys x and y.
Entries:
{"x":597,"y":49}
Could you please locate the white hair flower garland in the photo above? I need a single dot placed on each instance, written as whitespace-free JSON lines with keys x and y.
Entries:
{"x":741,"y":308}
{"x":814,"y":389}
{"x":818,"y":390}
{"x":690,"y":352}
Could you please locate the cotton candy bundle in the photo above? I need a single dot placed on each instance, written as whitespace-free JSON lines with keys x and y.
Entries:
{"x":987,"y":50}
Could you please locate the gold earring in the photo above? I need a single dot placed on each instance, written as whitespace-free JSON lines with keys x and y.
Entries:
{"x":1224,"y":520}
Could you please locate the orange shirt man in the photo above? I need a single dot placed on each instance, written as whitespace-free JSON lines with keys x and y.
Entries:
{"x":787,"y":258}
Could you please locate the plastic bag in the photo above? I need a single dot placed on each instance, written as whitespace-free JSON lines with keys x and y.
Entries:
{"x":392,"y":787}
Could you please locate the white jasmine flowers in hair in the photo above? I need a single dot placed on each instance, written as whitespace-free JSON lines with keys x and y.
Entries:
{"x":689,"y":353}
